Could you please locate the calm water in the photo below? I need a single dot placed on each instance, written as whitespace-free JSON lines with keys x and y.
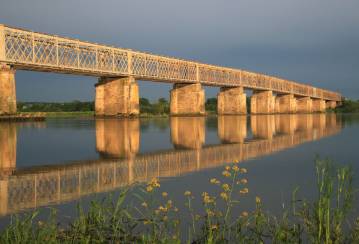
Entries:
{"x":62,"y":162}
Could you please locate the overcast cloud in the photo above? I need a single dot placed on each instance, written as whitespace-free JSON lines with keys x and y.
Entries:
{"x":310,"y":41}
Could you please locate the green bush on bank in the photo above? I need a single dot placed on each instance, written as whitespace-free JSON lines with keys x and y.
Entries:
{"x":348,"y":106}
{"x":153,"y":219}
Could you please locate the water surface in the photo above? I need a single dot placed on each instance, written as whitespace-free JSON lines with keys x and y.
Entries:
{"x":62,"y":162}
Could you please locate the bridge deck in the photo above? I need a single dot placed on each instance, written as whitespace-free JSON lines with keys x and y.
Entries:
{"x":49,"y":53}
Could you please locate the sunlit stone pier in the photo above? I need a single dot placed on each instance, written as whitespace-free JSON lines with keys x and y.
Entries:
{"x":118,"y":70}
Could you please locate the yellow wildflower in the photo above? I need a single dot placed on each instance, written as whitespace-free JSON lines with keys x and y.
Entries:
{"x":169,"y":203}
{"x":214,"y":227}
{"x":149,"y":188}
{"x":243,"y":170}
{"x":226,"y":187}
{"x":210,"y":213}
{"x":244,"y":181}
{"x":206,"y":198}
{"x":175,"y":209}
{"x":187,"y":193}
{"x":227,"y":168}
{"x":144,"y":204}
{"x":146,"y":222}
{"x":235,"y":168}
{"x":226,"y":173}
{"x":163,"y":209}
{"x":215,"y":181}
{"x":224,"y":196}
{"x":244,"y":214}
{"x":244,"y":191}
{"x":258,"y":200}
{"x":155,"y":183}
{"x":164,"y":194}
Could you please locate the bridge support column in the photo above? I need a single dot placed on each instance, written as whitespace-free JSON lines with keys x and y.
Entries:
{"x":262,"y":102}
{"x":331,"y":104}
{"x":318,"y":105}
{"x":305,"y":105}
{"x":231,"y":101}
{"x":117,"y":97}
{"x":187,"y":99}
{"x":7,"y":90}
{"x":286,"y":104}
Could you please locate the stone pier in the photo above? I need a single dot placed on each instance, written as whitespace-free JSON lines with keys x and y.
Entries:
{"x":286,"y":104}
{"x":117,"y":97}
{"x":187,"y":99}
{"x":318,"y":105}
{"x":262,"y":102}
{"x":304,"y":105}
{"x":231,"y":101}
{"x":331,"y":104}
{"x":7,"y":90}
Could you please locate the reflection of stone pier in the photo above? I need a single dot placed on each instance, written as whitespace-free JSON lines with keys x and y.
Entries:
{"x":188,"y":132}
{"x":41,"y":186}
{"x":8,"y":139}
{"x":118,"y":138}
{"x":232,"y":129}
{"x":287,"y":123}
{"x":263,"y":126}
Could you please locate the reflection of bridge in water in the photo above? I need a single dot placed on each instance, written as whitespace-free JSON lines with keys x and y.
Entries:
{"x":118,"y":144}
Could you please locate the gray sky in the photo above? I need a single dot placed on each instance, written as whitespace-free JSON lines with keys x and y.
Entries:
{"x":309,"y":41}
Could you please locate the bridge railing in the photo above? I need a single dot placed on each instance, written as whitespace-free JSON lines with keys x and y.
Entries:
{"x":35,"y":51}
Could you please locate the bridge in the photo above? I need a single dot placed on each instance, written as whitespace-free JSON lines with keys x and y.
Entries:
{"x":117,"y":91}
{"x":121,"y":165}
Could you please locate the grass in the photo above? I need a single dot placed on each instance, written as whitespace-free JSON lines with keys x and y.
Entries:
{"x":153,"y":219}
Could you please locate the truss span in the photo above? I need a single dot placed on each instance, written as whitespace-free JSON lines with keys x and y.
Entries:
{"x":49,"y":53}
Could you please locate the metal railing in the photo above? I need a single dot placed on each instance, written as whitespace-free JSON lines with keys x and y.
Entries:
{"x":42,"y":52}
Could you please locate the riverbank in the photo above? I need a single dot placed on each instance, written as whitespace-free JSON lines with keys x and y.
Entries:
{"x":155,"y":218}
{"x":33,"y":116}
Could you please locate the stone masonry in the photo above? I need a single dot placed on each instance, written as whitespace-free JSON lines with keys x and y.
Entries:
{"x":187,"y":99}
{"x":231,"y":101}
{"x":117,"y":97}
{"x":7,"y":90}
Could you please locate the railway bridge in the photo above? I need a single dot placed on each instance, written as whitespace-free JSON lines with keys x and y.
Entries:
{"x":118,"y":70}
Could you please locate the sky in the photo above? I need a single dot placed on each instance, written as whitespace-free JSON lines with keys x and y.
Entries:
{"x":309,"y":41}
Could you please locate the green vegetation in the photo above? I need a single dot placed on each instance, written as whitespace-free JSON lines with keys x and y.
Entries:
{"x":75,"y":106}
{"x":348,"y":106}
{"x":160,"y":107}
{"x":154,"y":218}
{"x":211,"y":105}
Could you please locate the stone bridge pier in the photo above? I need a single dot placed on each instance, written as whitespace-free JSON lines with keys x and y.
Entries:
{"x":187,"y":99}
{"x":304,"y":105}
{"x":7,"y":90}
{"x":117,"y":97}
{"x":231,"y":100}
{"x":286,"y":103}
{"x":331,"y":104}
{"x":319,"y":105}
{"x":262,"y":102}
